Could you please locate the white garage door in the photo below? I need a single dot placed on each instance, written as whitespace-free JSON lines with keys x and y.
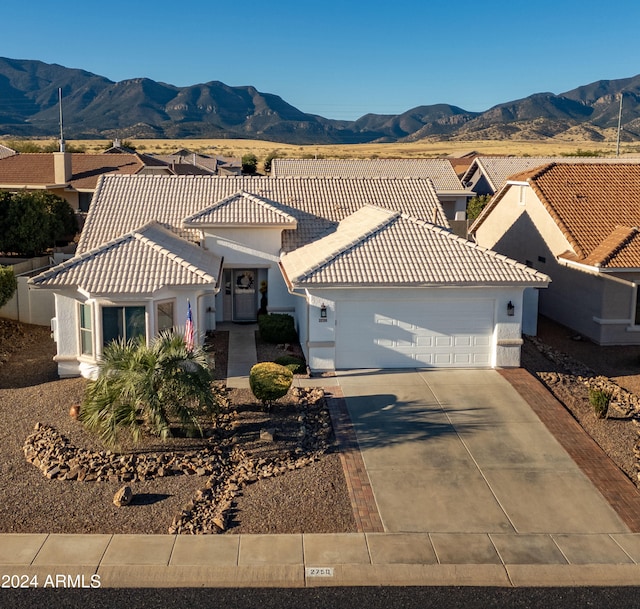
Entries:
{"x":414,"y":334}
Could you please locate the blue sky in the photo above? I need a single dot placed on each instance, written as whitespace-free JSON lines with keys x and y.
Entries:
{"x":340,"y":59}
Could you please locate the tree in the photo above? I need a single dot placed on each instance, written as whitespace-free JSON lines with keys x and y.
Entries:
{"x":8,"y":284}
{"x":476,"y":205}
{"x":249,"y":163}
{"x":34,"y":221}
{"x":267,"y":162}
{"x":142,"y":386}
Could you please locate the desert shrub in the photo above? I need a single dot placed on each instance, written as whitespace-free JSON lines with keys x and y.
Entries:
{"x":269,"y":382}
{"x":295,"y":364}
{"x":600,"y":400}
{"x":277,"y":328}
{"x":8,"y":284}
{"x":144,"y":387}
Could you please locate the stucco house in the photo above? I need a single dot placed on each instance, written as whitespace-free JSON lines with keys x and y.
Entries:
{"x":488,"y":174}
{"x":73,"y":176}
{"x":577,"y":223}
{"x":368,"y":268}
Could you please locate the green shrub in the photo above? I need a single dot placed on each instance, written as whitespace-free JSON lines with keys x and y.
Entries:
{"x":277,"y":328}
{"x":476,"y":205}
{"x":600,"y":400}
{"x":295,"y":364}
{"x":269,"y":382}
{"x":8,"y":284}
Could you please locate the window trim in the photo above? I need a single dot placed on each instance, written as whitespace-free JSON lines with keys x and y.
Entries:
{"x":123,"y":308}
{"x":84,"y":331}
{"x":158,"y":303}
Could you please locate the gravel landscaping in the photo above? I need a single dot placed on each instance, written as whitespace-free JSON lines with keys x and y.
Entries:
{"x":310,"y":497}
{"x":284,"y":484}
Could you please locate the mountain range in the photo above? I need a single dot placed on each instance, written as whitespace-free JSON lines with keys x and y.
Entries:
{"x":96,"y":107}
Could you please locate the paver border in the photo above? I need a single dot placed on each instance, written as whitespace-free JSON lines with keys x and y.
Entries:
{"x":365,"y":509}
{"x":612,"y":483}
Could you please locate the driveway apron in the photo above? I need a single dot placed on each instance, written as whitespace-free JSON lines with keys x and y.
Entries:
{"x":460,"y":451}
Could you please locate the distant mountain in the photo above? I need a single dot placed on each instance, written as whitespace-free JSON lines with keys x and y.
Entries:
{"x":96,"y":107}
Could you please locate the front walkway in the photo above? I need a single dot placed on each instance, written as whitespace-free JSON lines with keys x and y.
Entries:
{"x":241,"y":353}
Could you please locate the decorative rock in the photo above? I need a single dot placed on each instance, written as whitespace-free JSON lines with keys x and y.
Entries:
{"x":123,"y":496}
{"x":268,"y":435}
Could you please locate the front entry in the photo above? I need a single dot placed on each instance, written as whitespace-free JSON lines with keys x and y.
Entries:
{"x":245,"y":295}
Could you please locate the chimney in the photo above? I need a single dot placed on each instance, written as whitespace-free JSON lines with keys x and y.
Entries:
{"x":62,"y":167}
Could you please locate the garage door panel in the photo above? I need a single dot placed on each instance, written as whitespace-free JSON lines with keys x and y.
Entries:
{"x":411,"y":334}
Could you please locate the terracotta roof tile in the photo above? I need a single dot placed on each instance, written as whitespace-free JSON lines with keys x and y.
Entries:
{"x":497,"y":170}
{"x":596,"y":206}
{"x":38,"y":169}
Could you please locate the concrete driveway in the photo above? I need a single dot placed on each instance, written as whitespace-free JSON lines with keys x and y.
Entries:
{"x":459,"y":451}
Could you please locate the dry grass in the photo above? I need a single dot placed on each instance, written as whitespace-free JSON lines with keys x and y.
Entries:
{"x":421,"y":149}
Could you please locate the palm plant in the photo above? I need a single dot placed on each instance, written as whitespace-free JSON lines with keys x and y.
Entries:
{"x":142,"y":386}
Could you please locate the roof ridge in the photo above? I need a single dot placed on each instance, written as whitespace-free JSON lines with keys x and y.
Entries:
{"x":332,"y":254}
{"x":473,"y":245}
{"x":564,"y":229}
{"x":264,"y":202}
{"x":604,"y":252}
{"x":139,"y":234}
{"x":269,"y":204}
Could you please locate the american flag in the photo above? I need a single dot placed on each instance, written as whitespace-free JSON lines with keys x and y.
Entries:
{"x":188,"y":330}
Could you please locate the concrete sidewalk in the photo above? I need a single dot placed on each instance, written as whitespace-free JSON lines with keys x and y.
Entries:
{"x":359,"y":559}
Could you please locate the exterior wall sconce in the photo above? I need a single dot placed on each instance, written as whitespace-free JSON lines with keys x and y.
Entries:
{"x":510,"y":309}
{"x":323,"y":311}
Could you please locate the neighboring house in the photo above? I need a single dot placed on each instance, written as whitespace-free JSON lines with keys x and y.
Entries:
{"x":577,"y":223}
{"x":72,"y":176}
{"x":368,"y":269}
{"x":452,"y":195}
{"x":186,"y":162}
{"x":488,"y":174}
{"x":5,"y":151}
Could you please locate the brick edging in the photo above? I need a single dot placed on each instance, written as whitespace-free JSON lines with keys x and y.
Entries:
{"x":620,"y":492}
{"x":363,"y":502}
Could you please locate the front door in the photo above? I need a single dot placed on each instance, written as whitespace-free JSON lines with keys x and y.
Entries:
{"x":245,"y":298}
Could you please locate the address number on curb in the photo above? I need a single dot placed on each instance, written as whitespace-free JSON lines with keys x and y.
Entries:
{"x":319,"y":571}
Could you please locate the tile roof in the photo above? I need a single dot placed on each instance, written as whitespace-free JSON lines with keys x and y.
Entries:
{"x":596,"y":206}
{"x":38,"y":169}
{"x":497,"y":170}
{"x":122,"y":203}
{"x":440,"y":171}
{"x":242,"y":209}
{"x":5,"y":151}
{"x":140,"y":262}
{"x":377,"y":246}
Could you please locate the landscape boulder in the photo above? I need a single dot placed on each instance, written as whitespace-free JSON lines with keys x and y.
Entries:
{"x":123,"y":497}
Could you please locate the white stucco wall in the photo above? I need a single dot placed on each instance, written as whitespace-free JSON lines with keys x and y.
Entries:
{"x":320,"y":347}
{"x":244,"y":244}
{"x":67,"y":326}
